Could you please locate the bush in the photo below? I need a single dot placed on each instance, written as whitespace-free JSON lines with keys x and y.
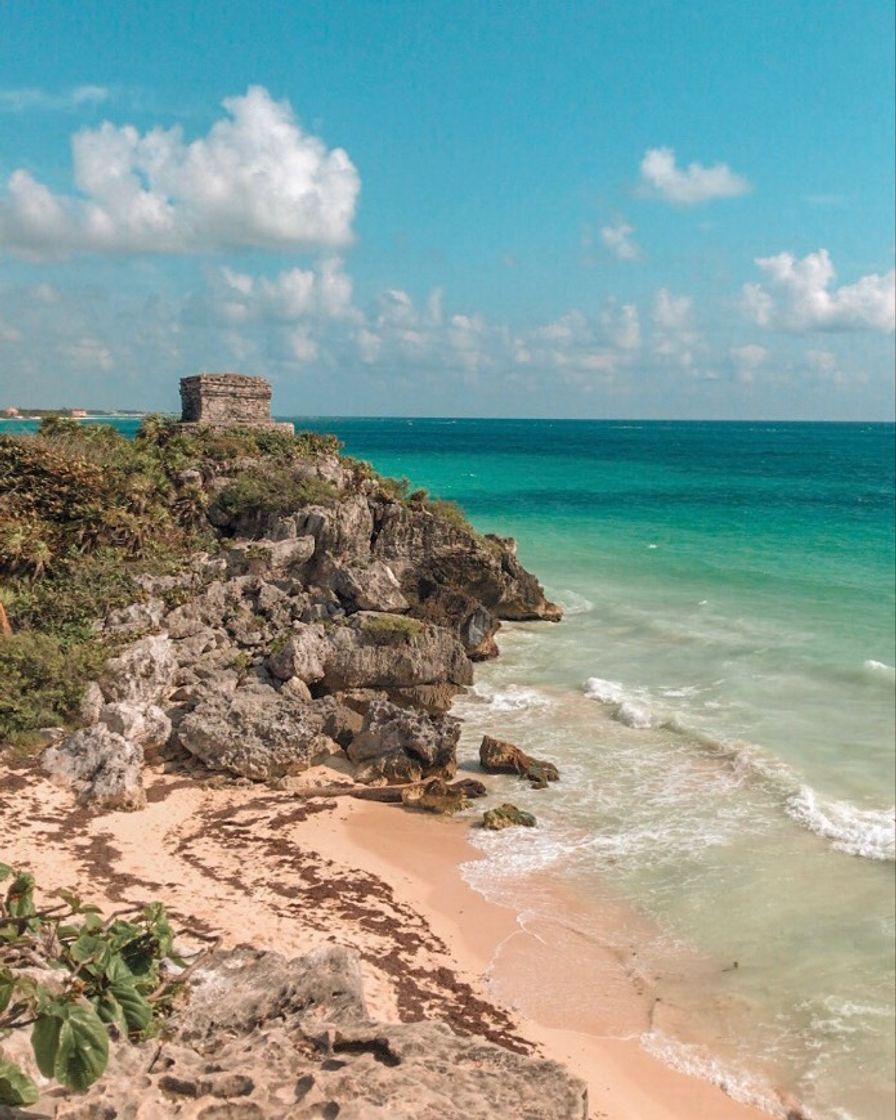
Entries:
{"x":268,"y":491}
{"x":113,"y":976}
{"x":391,"y":625}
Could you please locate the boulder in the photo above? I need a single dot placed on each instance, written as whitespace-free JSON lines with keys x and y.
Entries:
{"x":392,"y":651}
{"x":507,"y":816}
{"x":499,"y":757}
{"x":391,"y":768}
{"x":148,"y":727}
{"x":388,"y":729}
{"x":143,"y":673}
{"x":474,"y":624}
{"x":254,"y":733}
{"x":373,"y":587}
{"x":435,"y":796}
{"x":101,"y":766}
{"x":269,"y":557}
{"x":469,"y":787}
{"x":300,"y":654}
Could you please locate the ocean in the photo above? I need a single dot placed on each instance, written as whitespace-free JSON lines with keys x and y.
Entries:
{"x":720,"y":702}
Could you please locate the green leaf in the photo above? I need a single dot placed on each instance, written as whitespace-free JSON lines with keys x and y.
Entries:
{"x":137,"y":1011}
{"x":73,"y":900}
{"x":45,"y":1042}
{"x":7,"y":987}
{"x":71,"y":1044}
{"x":20,"y":896}
{"x":89,"y":947}
{"x":16,"y":1087}
{"x":5,"y":871}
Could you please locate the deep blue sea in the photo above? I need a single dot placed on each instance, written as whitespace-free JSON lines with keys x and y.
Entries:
{"x":720,"y":701}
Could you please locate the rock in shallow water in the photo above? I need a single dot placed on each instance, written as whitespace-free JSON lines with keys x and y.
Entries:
{"x":499,"y":757}
{"x":506,"y":816}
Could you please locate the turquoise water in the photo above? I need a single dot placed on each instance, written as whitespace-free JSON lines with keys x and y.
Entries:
{"x":720,"y":701}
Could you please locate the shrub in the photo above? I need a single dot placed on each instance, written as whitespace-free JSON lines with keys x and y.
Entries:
{"x":387,"y":625}
{"x":268,"y":490}
{"x":112,"y":975}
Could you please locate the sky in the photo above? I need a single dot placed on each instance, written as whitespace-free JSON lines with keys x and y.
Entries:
{"x":621,"y":208}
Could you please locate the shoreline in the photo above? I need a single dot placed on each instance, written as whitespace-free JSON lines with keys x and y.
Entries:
{"x":379,"y":879}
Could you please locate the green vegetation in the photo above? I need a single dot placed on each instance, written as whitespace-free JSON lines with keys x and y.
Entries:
{"x":391,"y":625}
{"x":268,"y":490}
{"x":84,"y":512}
{"x":110,"y":975}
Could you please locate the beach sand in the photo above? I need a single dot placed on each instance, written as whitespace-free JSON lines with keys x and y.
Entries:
{"x":279,"y":871}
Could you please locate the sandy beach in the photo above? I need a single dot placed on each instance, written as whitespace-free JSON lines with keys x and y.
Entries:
{"x":283,"y":871}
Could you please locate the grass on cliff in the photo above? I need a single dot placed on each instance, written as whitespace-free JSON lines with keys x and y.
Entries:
{"x":84,"y":512}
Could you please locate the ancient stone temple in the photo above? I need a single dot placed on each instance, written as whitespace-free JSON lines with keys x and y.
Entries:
{"x":230,"y":400}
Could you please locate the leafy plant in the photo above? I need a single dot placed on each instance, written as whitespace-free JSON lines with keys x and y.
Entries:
{"x":107,"y":975}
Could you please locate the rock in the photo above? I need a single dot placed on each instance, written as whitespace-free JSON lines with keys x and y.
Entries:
{"x":391,"y":768}
{"x":255,"y":733}
{"x":498,"y":757}
{"x":435,"y":699}
{"x":506,"y":816}
{"x":101,"y":766}
{"x":300,"y":655}
{"x":388,"y":729}
{"x":392,"y":651}
{"x":137,"y":616}
{"x":91,"y":703}
{"x":435,"y":796}
{"x":373,"y":587}
{"x":296,"y":689}
{"x":428,"y":552}
{"x":263,"y":1038}
{"x":343,"y":712}
{"x":143,"y":673}
{"x":237,"y":991}
{"x":269,"y":557}
{"x":147,"y":726}
{"x":453,"y":608}
{"x":469,"y":787}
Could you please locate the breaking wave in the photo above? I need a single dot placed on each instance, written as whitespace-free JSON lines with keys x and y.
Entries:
{"x":870,"y":833}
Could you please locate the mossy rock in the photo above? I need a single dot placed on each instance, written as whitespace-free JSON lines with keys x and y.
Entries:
{"x":507,"y":816}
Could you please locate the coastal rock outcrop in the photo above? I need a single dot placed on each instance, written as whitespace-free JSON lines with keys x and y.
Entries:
{"x":390,"y":651}
{"x":401,"y":740}
{"x":499,"y":757}
{"x":264,"y":1038}
{"x":255,"y":733}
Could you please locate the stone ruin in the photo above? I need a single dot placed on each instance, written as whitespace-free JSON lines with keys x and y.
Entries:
{"x":227,"y":400}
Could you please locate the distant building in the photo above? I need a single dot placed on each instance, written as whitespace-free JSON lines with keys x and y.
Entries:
{"x":230,"y":400}
{"x":10,"y":412}
{"x":78,"y":413}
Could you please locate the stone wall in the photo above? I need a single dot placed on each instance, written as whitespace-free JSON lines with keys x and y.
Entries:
{"x":227,"y":399}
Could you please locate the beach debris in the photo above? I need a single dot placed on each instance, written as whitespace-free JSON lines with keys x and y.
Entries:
{"x":507,"y":816}
{"x":500,"y":757}
{"x":435,"y":796}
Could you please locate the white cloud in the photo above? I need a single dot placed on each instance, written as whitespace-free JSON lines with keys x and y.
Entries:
{"x":321,"y":292}
{"x":31,"y":97}
{"x":662,"y":178}
{"x":800,"y":297}
{"x":623,"y":326}
{"x":256,"y":179}
{"x":747,"y":359}
{"x":617,"y":239}
{"x":674,"y":338}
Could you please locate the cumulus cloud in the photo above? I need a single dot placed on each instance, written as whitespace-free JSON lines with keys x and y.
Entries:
{"x":799,"y":296}
{"x":661,"y":177}
{"x":323,"y":292}
{"x":255,"y":180}
{"x":617,"y":240}
{"x":747,"y":359}
{"x":31,"y":97}
{"x":675,"y":340}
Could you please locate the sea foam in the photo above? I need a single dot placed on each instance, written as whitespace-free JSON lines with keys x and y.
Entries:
{"x":870,"y":833}
{"x":628,"y":709}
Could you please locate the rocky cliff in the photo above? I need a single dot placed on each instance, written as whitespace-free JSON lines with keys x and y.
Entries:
{"x":342,"y":625}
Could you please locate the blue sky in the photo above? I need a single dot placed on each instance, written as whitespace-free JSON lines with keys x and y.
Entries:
{"x":606,"y":209}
